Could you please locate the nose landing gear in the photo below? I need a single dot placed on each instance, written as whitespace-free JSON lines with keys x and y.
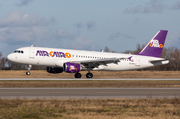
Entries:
{"x":29,"y":68}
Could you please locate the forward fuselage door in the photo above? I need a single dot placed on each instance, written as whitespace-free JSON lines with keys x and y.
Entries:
{"x":31,"y":52}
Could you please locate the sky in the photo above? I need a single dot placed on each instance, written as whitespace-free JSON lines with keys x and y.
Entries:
{"x":87,"y":24}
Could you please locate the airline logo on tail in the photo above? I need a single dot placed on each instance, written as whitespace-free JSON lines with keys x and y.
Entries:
{"x":155,"y":43}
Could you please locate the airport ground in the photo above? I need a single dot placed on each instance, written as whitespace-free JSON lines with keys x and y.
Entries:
{"x":90,"y":108}
{"x":92,"y":83}
{"x":97,"y":74}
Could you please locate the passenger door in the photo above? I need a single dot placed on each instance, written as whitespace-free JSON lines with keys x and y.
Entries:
{"x":137,"y":61}
{"x":31,"y":52}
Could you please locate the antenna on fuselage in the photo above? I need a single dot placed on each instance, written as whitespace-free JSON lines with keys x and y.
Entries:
{"x":33,"y":46}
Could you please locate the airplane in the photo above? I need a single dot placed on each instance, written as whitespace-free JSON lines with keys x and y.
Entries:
{"x":74,"y":61}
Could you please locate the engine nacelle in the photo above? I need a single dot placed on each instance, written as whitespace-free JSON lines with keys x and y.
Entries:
{"x":71,"y":67}
{"x":54,"y":70}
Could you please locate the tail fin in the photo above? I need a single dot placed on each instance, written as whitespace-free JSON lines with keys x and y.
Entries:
{"x":155,"y":46}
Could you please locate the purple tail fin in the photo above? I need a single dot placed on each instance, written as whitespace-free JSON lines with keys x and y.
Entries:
{"x":155,"y":46}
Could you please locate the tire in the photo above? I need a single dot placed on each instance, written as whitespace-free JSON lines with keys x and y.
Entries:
{"x":28,"y":73}
{"x":89,"y":75}
{"x":77,"y":75}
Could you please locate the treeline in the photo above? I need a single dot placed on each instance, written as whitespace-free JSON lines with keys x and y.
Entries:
{"x":5,"y":64}
{"x":16,"y":66}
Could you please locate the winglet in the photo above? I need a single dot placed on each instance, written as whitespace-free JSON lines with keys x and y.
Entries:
{"x":155,"y":45}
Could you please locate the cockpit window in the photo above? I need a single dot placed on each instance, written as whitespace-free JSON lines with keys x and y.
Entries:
{"x":15,"y":51}
{"x":18,"y":51}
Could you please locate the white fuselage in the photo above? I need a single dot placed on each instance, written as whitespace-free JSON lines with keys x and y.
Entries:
{"x":52,"y":57}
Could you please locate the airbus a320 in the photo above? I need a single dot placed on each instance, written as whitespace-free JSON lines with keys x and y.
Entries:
{"x":74,"y":61}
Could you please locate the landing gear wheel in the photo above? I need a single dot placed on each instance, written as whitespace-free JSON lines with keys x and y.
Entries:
{"x":89,"y":75}
{"x":28,"y":73}
{"x":77,"y":75}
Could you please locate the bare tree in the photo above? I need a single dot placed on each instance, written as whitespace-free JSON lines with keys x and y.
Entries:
{"x":106,"y":49}
{"x":3,"y":62}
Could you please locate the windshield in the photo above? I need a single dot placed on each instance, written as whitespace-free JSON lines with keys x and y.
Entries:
{"x":18,"y":51}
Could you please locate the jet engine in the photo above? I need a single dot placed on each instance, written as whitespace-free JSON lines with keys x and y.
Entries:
{"x":71,"y":67}
{"x":54,"y":70}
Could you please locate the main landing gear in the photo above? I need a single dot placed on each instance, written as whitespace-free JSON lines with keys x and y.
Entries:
{"x":77,"y":75}
{"x":29,"y":68}
{"x":88,"y":75}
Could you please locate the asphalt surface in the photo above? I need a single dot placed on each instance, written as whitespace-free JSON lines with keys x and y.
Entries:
{"x":88,"y":93}
{"x":84,"y":79}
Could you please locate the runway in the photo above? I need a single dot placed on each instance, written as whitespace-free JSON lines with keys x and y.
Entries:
{"x":88,"y":93}
{"x":85,"y":79}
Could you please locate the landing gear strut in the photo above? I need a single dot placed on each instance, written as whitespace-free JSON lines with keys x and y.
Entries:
{"x":29,"y":68}
{"x":77,"y":75}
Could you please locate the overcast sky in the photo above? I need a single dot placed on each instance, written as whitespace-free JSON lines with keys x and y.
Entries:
{"x":87,"y":24}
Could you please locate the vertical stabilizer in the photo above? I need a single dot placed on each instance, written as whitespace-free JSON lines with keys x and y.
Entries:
{"x":155,"y":46}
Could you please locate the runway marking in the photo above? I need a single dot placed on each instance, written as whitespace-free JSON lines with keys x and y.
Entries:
{"x":92,"y":88}
{"x":89,"y":92}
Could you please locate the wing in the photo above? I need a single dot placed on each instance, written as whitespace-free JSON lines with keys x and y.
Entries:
{"x":96,"y":63}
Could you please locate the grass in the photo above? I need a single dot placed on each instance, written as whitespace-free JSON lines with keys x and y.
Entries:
{"x":89,"y":83}
{"x":90,"y":108}
{"x":101,"y":74}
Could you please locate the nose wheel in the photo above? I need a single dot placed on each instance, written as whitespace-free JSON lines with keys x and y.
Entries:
{"x":89,"y":75}
{"x":28,"y":73}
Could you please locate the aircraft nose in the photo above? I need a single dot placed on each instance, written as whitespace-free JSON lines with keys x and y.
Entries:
{"x":10,"y":57}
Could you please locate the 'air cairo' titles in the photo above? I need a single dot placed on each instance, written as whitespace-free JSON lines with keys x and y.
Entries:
{"x":53,"y":54}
